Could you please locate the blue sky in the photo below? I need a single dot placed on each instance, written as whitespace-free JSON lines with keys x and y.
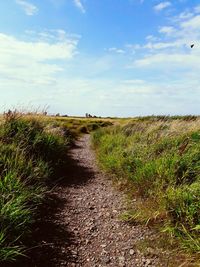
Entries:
{"x":104,"y":57}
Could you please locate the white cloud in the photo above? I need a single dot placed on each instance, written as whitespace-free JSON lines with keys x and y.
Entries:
{"x":33,"y":62}
{"x":167,"y":30}
{"x":197,"y":9}
{"x":170,"y":67}
{"x":118,"y":97}
{"x":161,"y":45}
{"x":151,"y":38}
{"x":184,"y":15}
{"x":79,"y":5}
{"x":174,"y":49}
{"x":176,"y":61}
{"x":28,"y":8}
{"x":116,"y":50}
{"x":135,"y":82}
{"x":162,"y":5}
{"x":191,"y":24}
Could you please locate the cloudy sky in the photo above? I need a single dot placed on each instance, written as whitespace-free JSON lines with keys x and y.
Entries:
{"x":104,"y":57}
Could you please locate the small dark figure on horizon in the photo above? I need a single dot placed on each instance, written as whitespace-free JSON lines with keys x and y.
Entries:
{"x":192,"y":45}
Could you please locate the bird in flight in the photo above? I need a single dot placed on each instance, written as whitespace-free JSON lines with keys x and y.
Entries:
{"x":192,"y":46}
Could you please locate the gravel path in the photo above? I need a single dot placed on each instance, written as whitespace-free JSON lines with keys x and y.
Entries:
{"x":92,"y":215}
{"x":80,"y":224}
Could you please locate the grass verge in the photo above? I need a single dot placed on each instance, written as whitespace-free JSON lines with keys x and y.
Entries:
{"x":29,"y":157}
{"x":160,"y":159}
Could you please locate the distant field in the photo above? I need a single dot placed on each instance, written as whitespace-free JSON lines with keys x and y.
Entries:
{"x":158,"y":161}
{"x":76,"y":125}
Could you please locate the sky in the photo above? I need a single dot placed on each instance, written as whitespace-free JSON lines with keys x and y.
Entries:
{"x":104,"y":57}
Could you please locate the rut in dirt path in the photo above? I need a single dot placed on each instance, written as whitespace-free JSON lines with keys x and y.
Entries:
{"x":80,"y":224}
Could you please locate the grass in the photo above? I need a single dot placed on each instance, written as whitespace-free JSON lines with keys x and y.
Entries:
{"x":76,"y":126}
{"x":159,"y":158}
{"x":29,"y":156}
{"x":156,"y":158}
{"x":32,"y":149}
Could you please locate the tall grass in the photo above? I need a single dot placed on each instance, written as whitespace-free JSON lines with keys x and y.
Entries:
{"x":76,"y":126}
{"x":160,"y":157}
{"x":31,"y":150}
{"x":28,"y":157}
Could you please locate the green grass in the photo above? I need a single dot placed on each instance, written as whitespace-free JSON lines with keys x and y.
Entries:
{"x":32,"y":149}
{"x":159,"y":158}
{"x":76,"y":126}
{"x":29,"y":156}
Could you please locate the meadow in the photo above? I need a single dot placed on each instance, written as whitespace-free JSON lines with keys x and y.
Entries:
{"x":157,"y":162}
{"x":155,"y":159}
{"x":32,"y":149}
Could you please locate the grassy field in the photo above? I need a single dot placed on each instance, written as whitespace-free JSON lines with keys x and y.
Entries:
{"x":157,"y":159}
{"x":77,"y":125}
{"x":32,"y":148}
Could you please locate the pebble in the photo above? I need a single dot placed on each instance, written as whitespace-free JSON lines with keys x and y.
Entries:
{"x":105,"y":259}
{"x":148,"y":262}
{"x":87,"y":241}
{"x":121,"y":261}
{"x":131,"y":252}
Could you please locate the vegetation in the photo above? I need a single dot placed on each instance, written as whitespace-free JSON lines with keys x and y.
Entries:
{"x":76,"y":126}
{"x":159,"y":158}
{"x":28,"y":158}
{"x":32,"y":149}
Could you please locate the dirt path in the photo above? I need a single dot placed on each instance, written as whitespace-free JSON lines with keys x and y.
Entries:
{"x":81,"y":225}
